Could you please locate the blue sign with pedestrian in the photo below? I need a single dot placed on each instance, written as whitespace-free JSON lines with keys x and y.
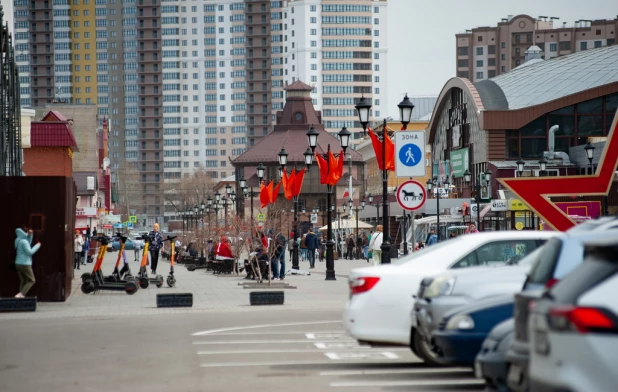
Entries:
{"x":410,"y":155}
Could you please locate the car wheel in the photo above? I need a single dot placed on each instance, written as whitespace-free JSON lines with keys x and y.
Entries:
{"x":412,"y":345}
{"x":426,"y":352}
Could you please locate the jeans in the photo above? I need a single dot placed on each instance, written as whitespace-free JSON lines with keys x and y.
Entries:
{"x":311,"y":254}
{"x":154,"y":260}
{"x":366,"y":251}
{"x":282,"y":262}
{"x":274,"y":267}
{"x":77,"y":260}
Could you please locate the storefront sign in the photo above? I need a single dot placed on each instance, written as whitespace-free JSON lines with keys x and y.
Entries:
{"x":88,"y":212}
{"x":460,"y":161}
{"x":517,"y":205}
{"x":499,"y":205}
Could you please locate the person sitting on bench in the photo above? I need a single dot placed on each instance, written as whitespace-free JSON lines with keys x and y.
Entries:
{"x":224,"y":250}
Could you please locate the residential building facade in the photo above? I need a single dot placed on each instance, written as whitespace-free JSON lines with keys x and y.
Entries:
{"x":485,"y":52}
{"x":193,"y":85}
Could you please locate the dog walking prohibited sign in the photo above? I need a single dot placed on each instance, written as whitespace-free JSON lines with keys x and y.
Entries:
{"x":411,"y":195}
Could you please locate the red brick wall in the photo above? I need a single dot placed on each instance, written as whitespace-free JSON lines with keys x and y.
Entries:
{"x":48,"y":161}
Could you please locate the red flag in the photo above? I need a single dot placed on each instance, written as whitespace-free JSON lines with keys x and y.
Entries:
{"x":273,"y":199}
{"x":289,"y":192}
{"x":286,"y":186}
{"x":298,"y":182}
{"x":377,"y":148}
{"x":323,"y":168}
{"x":266,"y":194}
{"x":333,"y":164}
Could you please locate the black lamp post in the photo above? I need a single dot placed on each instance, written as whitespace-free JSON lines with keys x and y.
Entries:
{"x":283,"y":160}
{"x":363,"y":108}
{"x":356,"y":209}
{"x":543,"y":167}
{"x":590,"y":155}
{"x":483,"y":179}
{"x":521,"y":164}
{"x":344,"y":139}
{"x":430,"y":184}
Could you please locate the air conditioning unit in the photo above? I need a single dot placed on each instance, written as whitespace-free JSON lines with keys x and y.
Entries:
{"x":90,"y":184}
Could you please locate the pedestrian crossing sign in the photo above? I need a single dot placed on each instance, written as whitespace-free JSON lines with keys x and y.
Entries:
{"x":133,"y":219}
{"x":260,"y":217}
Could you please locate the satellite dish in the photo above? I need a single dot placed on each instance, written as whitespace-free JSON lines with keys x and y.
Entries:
{"x":105,"y":163}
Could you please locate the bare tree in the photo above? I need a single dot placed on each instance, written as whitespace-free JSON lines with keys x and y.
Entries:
{"x":189,"y":191}
{"x":129,"y":190}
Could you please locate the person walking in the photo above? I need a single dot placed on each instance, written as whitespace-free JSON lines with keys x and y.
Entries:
{"x":88,"y":234}
{"x":23,"y":260}
{"x":78,"y":243}
{"x":375,"y":245}
{"x":432,"y":239}
{"x":472,"y":229}
{"x":349,"y":254}
{"x":365,"y":244}
{"x":312,"y":244}
{"x":156,"y":243}
{"x":281,"y":243}
{"x":303,"y":248}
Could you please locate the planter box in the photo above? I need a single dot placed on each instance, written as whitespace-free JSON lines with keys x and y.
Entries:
{"x":266,"y":298}
{"x":27,"y":304}
{"x":174,"y":300}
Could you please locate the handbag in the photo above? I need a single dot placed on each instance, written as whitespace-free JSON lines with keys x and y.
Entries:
{"x":369,"y":254}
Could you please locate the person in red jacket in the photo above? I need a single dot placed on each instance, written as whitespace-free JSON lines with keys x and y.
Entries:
{"x":224,"y":250}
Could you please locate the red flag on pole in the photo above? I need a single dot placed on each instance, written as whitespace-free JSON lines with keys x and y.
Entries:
{"x":323,"y":168}
{"x":377,"y":148}
{"x":275,"y":193}
{"x":266,"y":194}
{"x":298,"y":182}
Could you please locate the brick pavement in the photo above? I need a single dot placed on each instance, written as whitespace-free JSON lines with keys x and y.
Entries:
{"x":210,"y":293}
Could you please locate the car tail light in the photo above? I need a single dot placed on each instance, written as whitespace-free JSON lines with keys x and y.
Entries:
{"x":581,"y":319}
{"x":550,"y":283}
{"x":363,"y":284}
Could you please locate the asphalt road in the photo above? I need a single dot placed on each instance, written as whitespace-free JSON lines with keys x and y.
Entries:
{"x":274,"y":350}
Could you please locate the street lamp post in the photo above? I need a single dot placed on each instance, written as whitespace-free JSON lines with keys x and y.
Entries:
{"x":363,"y":108}
{"x":377,"y":206}
{"x":344,"y":138}
{"x":283,"y":160}
{"x":482,"y":179}
{"x":430,"y":184}
{"x":590,"y":155}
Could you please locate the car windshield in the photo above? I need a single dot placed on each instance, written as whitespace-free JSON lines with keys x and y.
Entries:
{"x":532,"y":258}
{"x":428,"y":249}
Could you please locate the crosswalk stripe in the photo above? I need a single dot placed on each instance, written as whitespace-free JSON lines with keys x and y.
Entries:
{"x":280,"y":363}
{"x":290,"y":351}
{"x":272,"y":342}
{"x":275,"y":333}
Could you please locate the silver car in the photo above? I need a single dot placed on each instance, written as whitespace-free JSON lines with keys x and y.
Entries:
{"x":573,"y":327}
{"x":458,"y":288}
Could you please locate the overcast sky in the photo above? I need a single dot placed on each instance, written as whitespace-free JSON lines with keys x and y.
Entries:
{"x":421,"y":35}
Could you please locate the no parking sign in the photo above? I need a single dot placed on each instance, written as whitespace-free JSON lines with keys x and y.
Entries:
{"x":411,"y":195}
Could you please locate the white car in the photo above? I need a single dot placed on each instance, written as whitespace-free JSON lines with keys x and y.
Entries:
{"x":381,"y":298}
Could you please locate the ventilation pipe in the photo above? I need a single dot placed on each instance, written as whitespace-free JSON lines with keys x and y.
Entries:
{"x":552,"y":140}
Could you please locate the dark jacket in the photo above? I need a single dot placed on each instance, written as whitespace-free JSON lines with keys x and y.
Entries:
{"x":312,"y":241}
{"x":156,"y":240}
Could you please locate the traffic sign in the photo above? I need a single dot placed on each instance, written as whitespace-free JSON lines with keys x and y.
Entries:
{"x":129,"y":225}
{"x":260,"y":217}
{"x":314,"y":218}
{"x":133,"y":219}
{"x":410,"y":154}
{"x":411,"y":195}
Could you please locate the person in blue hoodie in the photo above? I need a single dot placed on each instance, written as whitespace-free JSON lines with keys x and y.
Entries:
{"x":23,"y":260}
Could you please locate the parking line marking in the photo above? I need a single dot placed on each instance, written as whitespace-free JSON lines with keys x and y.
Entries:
{"x":215,"y":331}
{"x":266,"y":342}
{"x":320,"y":335}
{"x":394,"y":371}
{"x":274,"y":333}
{"x":367,"y":354}
{"x":411,"y":383}
{"x":340,"y":355}
{"x":274,"y":363}
{"x":335,"y":345}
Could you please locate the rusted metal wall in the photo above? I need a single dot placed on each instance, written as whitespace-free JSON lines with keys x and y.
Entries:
{"x":47,"y":206}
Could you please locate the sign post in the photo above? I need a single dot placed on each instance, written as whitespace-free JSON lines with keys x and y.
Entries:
{"x":410,"y":154}
{"x":411,"y":195}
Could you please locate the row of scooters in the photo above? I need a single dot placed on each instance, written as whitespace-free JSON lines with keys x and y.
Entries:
{"x":122,"y":279}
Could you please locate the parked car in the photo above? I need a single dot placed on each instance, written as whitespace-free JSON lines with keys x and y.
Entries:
{"x":462,"y":331}
{"x":490,"y":359}
{"x":573,"y":327}
{"x":561,"y":256}
{"x":457,"y":288}
{"x":380,"y":303}
{"x":131,"y":244}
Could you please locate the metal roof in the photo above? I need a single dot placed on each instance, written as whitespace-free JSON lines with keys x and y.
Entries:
{"x":52,"y":134}
{"x":556,"y":78}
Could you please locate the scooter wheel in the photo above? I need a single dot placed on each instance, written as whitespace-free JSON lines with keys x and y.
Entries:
{"x":144,"y":283}
{"x":190,"y":267}
{"x":171,"y":281}
{"x":86,"y":277}
{"x":130,"y":288}
{"x":159,"y":281}
{"x":87,"y":287}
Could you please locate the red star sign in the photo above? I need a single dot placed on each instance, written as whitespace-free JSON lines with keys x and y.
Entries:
{"x":535,"y":192}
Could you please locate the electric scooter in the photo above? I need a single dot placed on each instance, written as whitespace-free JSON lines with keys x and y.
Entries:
{"x":123,"y":274}
{"x":96,"y":280}
{"x":171,"y":280}
{"x":142,"y":276}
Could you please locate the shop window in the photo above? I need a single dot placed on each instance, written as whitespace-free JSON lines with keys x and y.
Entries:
{"x":611,"y":103}
{"x":593,"y":106}
{"x":565,"y":123}
{"x":589,"y":126}
{"x":533,"y":147}
{"x":534,"y":129}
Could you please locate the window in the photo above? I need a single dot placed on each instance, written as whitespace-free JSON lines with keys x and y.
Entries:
{"x":497,"y":253}
{"x":479,"y":51}
{"x":503,"y":45}
{"x":462,"y":51}
{"x":479,"y":63}
{"x":598,"y":44}
{"x":503,"y":57}
{"x":583,"y":45}
{"x":553,"y":47}
{"x":565,"y":45}
{"x":479,"y":75}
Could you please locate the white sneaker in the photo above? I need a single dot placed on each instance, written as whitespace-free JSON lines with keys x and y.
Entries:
{"x":19,"y":295}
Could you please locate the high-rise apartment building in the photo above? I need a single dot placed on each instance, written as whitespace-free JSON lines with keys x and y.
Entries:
{"x":188,"y":85}
{"x":485,"y":52}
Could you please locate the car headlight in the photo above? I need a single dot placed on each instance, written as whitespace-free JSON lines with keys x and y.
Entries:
{"x":442,"y":285}
{"x":460,"y":321}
